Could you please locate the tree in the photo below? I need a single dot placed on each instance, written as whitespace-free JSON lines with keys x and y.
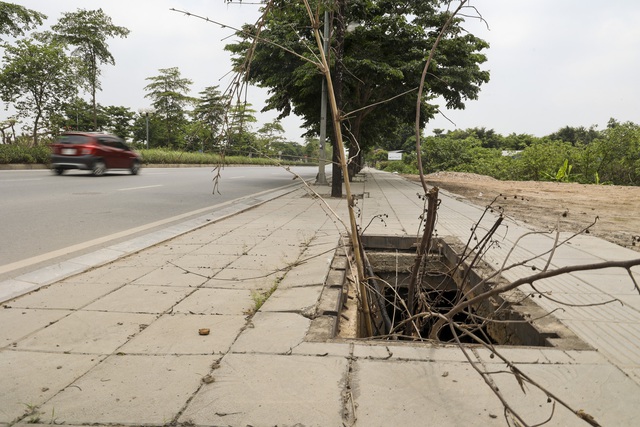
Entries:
{"x":576,"y":135}
{"x":77,"y":115}
{"x":118,"y":120}
{"x":88,"y":31}
{"x":617,"y":154}
{"x":383,"y":59}
{"x":37,"y":78}
{"x":15,"y":19}
{"x":168,"y":92}
{"x":209,"y":116}
{"x":240,"y":138}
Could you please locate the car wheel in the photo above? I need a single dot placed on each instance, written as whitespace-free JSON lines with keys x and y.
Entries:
{"x":58,"y":171}
{"x":135,"y":167}
{"x":99,"y":168}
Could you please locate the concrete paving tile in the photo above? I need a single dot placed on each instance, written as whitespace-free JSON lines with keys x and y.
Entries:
{"x":293,"y":299}
{"x":257,"y":284}
{"x":244,"y":238}
{"x":219,"y":249}
{"x":586,"y":357}
{"x":267,"y":390}
{"x":10,"y":289}
{"x":170,"y":275}
{"x":216,"y":301}
{"x":172,"y":248}
{"x":205,"y":261}
{"x":634,"y":374}
{"x":112,"y":273}
{"x":321,"y":250}
{"x":266,"y":262}
{"x":63,"y":295}
{"x":31,"y":378}
{"x":263,"y":279}
{"x":272,"y":333}
{"x":178,"y":334}
{"x":611,"y":281}
{"x":202,"y":236}
{"x":619,"y":342}
{"x":312,"y":272}
{"x":602,"y":391}
{"x":322,"y":349}
{"x":140,"y":299}
{"x":612,"y":311}
{"x":408,"y":393}
{"x":87,"y":332}
{"x":17,"y":323}
{"x":406,"y":351}
{"x":131,"y":390}
{"x":632,"y":301}
{"x":149,"y":259}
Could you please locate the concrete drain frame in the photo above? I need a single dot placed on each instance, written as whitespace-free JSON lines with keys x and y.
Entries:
{"x":523,"y":322}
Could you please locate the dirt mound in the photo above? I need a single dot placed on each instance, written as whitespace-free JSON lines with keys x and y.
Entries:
{"x":545,"y":204}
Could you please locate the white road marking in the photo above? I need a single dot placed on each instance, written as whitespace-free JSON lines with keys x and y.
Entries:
{"x":20,"y":180}
{"x":140,"y":188}
{"x":237,"y":177}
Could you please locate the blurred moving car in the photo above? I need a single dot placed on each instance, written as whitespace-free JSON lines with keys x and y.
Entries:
{"x":92,"y":151}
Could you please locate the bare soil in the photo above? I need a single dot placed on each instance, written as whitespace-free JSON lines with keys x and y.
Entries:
{"x":546,"y":204}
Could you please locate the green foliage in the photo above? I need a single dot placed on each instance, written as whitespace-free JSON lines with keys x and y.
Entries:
{"x":384,"y":57}
{"x":36,"y":78}
{"x":169,"y":157}
{"x":18,"y":153}
{"x":611,"y":157}
{"x":87,"y":31}
{"x":564,"y":173}
{"x":208,"y":118}
{"x":168,"y":92}
{"x":543,"y":159}
{"x":15,"y":19}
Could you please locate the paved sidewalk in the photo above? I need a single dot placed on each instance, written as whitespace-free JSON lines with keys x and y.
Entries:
{"x":119,"y":344}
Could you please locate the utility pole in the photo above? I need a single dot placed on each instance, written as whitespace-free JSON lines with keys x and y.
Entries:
{"x":147,"y":117}
{"x":322,"y":178}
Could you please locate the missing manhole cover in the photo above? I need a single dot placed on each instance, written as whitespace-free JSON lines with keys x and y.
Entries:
{"x":518,"y":321}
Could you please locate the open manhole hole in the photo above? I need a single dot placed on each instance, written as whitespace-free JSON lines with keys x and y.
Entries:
{"x":518,"y":321}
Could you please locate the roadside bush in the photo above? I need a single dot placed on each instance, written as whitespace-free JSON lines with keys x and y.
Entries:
{"x":17,"y":153}
{"x":541,"y":160}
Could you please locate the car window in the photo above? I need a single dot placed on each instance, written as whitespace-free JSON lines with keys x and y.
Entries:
{"x":121,"y":145}
{"x":73,"y":139}
{"x":108,"y":142}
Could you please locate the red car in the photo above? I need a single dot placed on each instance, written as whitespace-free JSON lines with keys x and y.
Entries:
{"x":92,"y":151}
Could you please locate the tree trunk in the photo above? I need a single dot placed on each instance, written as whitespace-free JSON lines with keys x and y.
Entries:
{"x":36,"y":123}
{"x":336,"y":179}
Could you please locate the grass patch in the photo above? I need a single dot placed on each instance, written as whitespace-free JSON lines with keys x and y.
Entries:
{"x":259,"y":298}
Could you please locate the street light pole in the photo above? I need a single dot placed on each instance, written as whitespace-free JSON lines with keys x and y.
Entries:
{"x":322,"y":179}
{"x":147,"y":117}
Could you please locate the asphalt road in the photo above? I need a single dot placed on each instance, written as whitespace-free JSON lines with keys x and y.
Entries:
{"x":44,"y":217}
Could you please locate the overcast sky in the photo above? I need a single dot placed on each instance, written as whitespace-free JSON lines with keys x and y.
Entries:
{"x":553,"y":62}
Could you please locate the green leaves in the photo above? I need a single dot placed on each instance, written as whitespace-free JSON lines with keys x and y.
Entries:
{"x":87,"y":31}
{"x":384,"y":52}
{"x":15,"y":19}
{"x":37,"y":78}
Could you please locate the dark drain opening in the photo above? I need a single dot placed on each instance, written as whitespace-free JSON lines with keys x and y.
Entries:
{"x":518,"y":321}
{"x":437,"y":301}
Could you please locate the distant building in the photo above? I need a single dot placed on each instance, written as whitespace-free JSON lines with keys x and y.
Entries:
{"x":510,"y":153}
{"x":394,"y":155}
